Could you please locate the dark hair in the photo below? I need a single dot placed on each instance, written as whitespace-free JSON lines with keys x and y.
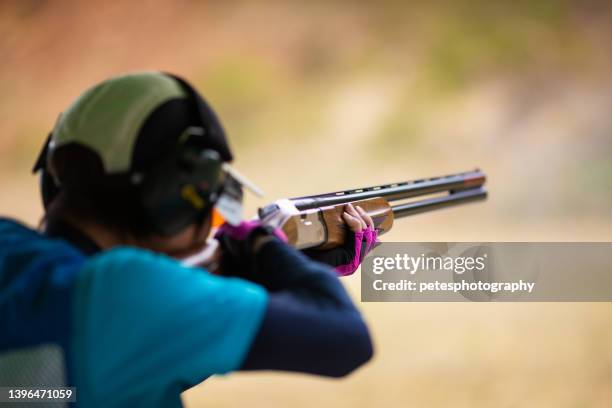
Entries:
{"x":87,"y":193}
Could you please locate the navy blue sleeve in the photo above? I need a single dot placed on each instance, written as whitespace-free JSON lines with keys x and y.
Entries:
{"x":341,"y":255}
{"x":310,"y":324}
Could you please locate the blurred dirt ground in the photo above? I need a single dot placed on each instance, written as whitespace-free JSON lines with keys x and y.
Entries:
{"x":321,"y":96}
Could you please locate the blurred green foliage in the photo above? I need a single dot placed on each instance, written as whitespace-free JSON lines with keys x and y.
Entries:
{"x":239,"y":84}
{"x":261,"y":100}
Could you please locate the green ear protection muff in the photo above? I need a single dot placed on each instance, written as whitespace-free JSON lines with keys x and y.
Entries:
{"x":181,"y":188}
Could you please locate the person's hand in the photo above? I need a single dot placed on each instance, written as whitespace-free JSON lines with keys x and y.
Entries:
{"x":347,"y":258}
{"x":356,"y":218}
{"x":239,"y":245}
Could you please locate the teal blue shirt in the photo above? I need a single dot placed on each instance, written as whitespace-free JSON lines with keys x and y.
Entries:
{"x":146,"y":328}
{"x":130,"y":328}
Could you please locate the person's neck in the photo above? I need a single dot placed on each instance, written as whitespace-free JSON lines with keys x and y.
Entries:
{"x":105,"y":237}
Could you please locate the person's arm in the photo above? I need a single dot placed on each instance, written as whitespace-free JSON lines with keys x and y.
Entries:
{"x":310,"y":324}
{"x":146,"y":328}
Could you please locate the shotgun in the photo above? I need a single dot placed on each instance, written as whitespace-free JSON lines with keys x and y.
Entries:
{"x":316,"y":221}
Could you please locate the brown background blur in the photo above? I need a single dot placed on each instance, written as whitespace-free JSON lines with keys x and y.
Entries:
{"x":320,"y":96}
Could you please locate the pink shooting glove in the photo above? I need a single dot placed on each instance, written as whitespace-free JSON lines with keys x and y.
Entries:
{"x":361,"y":240}
{"x":364,"y":242}
{"x":237,"y":246}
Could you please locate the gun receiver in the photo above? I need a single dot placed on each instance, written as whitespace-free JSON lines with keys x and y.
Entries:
{"x":316,"y":221}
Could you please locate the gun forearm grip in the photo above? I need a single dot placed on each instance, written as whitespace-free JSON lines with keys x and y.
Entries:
{"x":378,"y":208}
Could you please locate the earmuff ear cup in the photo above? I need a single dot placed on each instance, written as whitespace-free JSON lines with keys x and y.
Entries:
{"x":181,"y":190}
{"x":49,"y":190}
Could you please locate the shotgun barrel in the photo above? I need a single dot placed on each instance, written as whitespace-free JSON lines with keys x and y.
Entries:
{"x":454,"y":198}
{"x":316,"y":221}
{"x":395,"y":191}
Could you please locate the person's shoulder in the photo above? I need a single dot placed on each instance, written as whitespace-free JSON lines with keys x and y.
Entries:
{"x":36,"y":273}
{"x":129,"y":300}
{"x":132,"y":260}
{"x":125,"y":267}
{"x":130,"y":268}
{"x":20,"y":242}
{"x":12,"y":227}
